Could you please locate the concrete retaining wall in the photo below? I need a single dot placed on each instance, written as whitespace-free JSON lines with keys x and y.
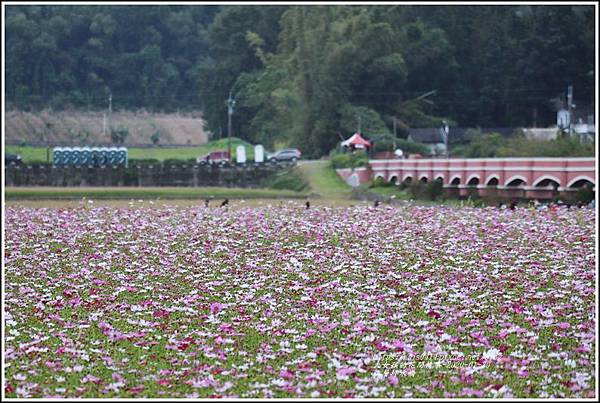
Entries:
{"x":248,"y":176}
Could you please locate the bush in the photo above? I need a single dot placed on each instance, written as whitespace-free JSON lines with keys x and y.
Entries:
{"x":155,"y":138}
{"x":387,"y":142}
{"x":566,"y":146}
{"x":585,"y":195}
{"x":348,"y":160}
{"x":119,"y":134}
{"x":289,"y":179}
{"x":490,"y":145}
{"x":380,"y":182}
{"x":412,"y":147}
{"x":433,"y":190}
{"x":38,"y":162}
{"x":144,"y":161}
{"x":485,"y":146}
{"x":178,"y":161}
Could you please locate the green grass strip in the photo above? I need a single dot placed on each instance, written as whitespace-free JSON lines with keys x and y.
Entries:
{"x":324,"y":180}
{"x":50,"y":193}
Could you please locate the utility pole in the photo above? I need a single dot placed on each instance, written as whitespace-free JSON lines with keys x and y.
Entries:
{"x":444,"y":130}
{"x":569,"y":107}
{"x":395,"y":133}
{"x":47,"y":130}
{"x":359,"y":124}
{"x":109,"y":108}
{"x":230,"y":106}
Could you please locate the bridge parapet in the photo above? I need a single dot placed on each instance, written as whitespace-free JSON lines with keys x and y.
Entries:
{"x":511,"y":174}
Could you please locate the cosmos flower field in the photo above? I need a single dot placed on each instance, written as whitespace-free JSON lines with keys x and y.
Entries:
{"x":279,"y":301}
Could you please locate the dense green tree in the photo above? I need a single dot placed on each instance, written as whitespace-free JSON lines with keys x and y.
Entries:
{"x":75,"y":56}
{"x":229,"y":58}
{"x":305,"y":75}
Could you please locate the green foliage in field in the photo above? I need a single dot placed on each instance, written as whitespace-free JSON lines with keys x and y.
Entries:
{"x":147,"y":193}
{"x":348,"y":159}
{"x":289,"y":179}
{"x":489,"y":145}
{"x":429,"y":191}
{"x":387,"y":143}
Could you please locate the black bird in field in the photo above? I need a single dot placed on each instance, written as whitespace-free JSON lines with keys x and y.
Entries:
{"x":206,"y":202}
{"x":307,"y":205}
{"x":376,"y":204}
{"x":225,"y":203}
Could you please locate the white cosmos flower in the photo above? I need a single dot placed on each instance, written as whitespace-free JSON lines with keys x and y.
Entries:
{"x":492,"y":354}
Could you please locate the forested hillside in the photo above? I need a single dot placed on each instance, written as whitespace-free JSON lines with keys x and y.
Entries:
{"x":303,"y":75}
{"x":75,"y":56}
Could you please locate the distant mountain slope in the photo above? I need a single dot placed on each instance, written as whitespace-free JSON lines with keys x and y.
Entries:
{"x":79,"y":128}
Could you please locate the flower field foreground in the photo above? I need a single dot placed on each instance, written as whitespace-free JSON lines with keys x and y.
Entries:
{"x":280,"y":301}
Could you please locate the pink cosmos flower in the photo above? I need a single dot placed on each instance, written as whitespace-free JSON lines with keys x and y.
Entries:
{"x":216,"y":307}
{"x":286,"y":374}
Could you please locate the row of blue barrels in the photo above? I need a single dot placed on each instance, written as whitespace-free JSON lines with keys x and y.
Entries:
{"x":89,"y":156}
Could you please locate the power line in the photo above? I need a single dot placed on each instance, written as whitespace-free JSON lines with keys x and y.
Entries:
{"x":550,"y":91}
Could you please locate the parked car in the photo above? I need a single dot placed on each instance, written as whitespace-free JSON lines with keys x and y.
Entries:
{"x":14,"y":159}
{"x":287,"y":154}
{"x":215,"y":157}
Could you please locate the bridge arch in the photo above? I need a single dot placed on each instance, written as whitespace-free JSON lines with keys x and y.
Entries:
{"x":455,"y":181}
{"x":439,"y":176}
{"x":423,"y":179}
{"x":492,"y":180}
{"x":394,"y":180}
{"x":473,"y":180}
{"x":379,"y":175}
{"x":515,"y":181}
{"x":407,"y":178}
{"x":547,"y":180}
{"x":580,"y":181}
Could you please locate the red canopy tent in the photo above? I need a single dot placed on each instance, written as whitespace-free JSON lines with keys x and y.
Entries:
{"x":356,"y":141}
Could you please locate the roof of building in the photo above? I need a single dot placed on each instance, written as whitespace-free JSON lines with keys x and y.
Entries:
{"x":357,"y":141}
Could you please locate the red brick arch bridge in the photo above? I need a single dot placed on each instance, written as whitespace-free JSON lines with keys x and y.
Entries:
{"x":539,"y":178}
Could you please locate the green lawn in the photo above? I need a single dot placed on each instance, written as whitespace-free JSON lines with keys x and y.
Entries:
{"x":37,"y":154}
{"x":391,"y":191}
{"x":29,"y":193}
{"x":323,"y":180}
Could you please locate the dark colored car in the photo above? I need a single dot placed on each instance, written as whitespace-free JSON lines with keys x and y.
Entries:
{"x":287,"y":154}
{"x":215,"y":157}
{"x":14,"y":159}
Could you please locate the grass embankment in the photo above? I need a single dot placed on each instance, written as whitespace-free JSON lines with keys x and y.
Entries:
{"x":323,"y":180}
{"x":38,"y":154}
{"x":404,"y":194}
{"x":390,"y":191}
{"x":55,"y":193}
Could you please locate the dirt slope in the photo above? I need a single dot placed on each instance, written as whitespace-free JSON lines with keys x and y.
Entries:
{"x":80,"y":127}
